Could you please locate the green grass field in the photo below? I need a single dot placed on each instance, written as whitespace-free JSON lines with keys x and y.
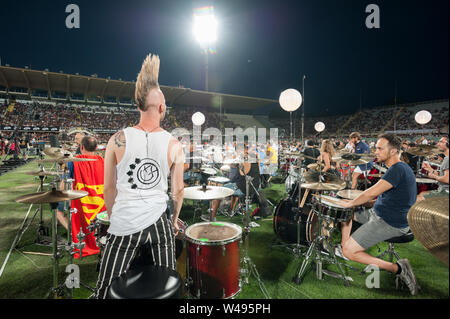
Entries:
{"x":29,"y":276}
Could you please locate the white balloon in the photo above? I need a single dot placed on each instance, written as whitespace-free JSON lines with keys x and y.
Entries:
{"x":423,"y":117}
{"x":290,"y":100}
{"x":198,"y":118}
{"x":319,"y":127}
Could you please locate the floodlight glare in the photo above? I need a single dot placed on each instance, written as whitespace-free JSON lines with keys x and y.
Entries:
{"x":205,"y":26}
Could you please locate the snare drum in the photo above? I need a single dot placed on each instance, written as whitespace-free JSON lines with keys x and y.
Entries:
{"x":218,"y":181}
{"x":331,"y":210}
{"x":213,"y":259}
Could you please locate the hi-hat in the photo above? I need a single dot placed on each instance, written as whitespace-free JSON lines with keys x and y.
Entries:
{"x":350,"y":193}
{"x":351,"y":162}
{"x":207,"y":193}
{"x":423,"y":150}
{"x":41,"y":173}
{"x":66,"y":159}
{"x":315,"y":176}
{"x":323,"y":186}
{"x":428,"y":220}
{"x":53,"y":196}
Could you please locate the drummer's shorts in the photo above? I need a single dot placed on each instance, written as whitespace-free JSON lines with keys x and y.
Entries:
{"x":374,"y":229}
{"x":233,"y":186}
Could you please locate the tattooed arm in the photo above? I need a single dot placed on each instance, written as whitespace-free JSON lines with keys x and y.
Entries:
{"x":113,"y":155}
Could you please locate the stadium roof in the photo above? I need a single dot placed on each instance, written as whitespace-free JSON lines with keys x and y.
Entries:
{"x":91,"y":89}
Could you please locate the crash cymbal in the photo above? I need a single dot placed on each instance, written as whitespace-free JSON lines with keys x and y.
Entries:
{"x":56,"y":152}
{"x":315,"y":176}
{"x":208,"y":171}
{"x":65,"y":159}
{"x":349,"y":193}
{"x":428,"y":220}
{"x":41,"y":173}
{"x":53,"y":196}
{"x":207,"y":193}
{"x":423,"y":150}
{"x":323,"y":186}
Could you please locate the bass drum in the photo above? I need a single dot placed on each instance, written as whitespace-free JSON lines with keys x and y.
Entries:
{"x":285,"y":222}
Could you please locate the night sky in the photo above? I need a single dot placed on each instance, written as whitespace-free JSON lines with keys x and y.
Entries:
{"x":264,"y":47}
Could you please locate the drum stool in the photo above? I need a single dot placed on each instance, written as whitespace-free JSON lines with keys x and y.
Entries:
{"x":147,"y":282}
{"x":408,"y":237}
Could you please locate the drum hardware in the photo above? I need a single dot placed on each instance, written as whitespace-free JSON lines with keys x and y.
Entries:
{"x":428,"y":220}
{"x":53,"y":197}
{"x":314,"y":252}
{"x":248,"y":267}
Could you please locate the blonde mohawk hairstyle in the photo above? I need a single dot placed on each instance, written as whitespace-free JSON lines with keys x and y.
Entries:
{"x":147,"y":80}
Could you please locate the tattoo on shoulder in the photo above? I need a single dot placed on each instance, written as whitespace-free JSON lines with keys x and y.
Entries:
{"x":119,"y":139}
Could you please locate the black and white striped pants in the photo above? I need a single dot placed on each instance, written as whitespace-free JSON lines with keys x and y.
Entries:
{"x":120,"y":251}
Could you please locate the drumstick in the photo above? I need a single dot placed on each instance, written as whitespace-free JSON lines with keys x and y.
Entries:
{"x":304,"y":198}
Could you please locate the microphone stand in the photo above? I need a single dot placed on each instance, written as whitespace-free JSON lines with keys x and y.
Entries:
{"x":248,"y":267}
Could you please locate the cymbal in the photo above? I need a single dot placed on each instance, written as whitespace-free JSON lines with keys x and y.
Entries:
{"x":423,"y":150}
{"x":54,"y":151}
{"x":315,"y":166}
{"x":65,"y":159}
{"x":349,"y":193}
{"x":323,"y":186}
{"x":428,"y":220}
{"x":41,"y":173}
{"x":53,"y":196}
{"x":352,"y":162}
{"x":314,"y":176}
{"x":207,"y":193}
{"x":208,"y":171}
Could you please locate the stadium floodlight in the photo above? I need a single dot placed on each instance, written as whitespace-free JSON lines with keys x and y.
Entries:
{"x":423,"y":117}
{"x":319,"y":127}
{"x":205,"y":26}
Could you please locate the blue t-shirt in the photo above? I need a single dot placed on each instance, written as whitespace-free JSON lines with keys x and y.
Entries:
{"x":363,"y":148}
{"x":393,"y":206}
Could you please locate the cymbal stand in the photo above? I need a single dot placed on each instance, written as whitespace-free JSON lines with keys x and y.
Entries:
{"x":314,"y":253}
{"x":248,"y":267}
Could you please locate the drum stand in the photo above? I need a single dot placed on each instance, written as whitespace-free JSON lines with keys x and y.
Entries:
{"x":248,"y":267}
{"x":314,"y":253}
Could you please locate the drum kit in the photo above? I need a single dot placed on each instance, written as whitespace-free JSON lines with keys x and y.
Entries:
{"x":425,"y":153}
{"x":53,"y":197}
{"x":307,"y":221}
{"x":215,"y":266}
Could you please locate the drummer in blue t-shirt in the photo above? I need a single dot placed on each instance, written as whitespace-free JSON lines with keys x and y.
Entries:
{"x":396,"y":192}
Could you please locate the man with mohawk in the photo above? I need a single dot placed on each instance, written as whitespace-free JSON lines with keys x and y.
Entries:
{"x":138,"y":161}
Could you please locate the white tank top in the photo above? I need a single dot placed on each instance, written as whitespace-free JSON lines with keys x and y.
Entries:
{"x":141,"y":182}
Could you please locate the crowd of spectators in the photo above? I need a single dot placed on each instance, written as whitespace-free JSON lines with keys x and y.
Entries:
{"x":104,"y":121}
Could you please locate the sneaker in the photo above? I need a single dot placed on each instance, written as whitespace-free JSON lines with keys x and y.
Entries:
{"x":407,"y":276}
{"x":338,"y":252}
